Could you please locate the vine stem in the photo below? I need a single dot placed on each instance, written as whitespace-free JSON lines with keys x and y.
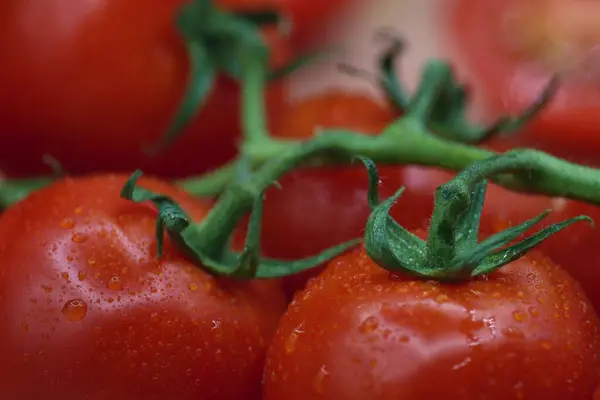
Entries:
{"x":406,"y":142}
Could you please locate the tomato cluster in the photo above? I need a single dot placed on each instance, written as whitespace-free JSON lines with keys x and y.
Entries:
{"x":96,"y":304}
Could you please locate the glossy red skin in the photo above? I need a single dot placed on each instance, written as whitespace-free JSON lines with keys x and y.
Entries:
{"x":92,"y":83}
{"x":165,"y":329}
{"x":568,"y":127}
{"x":322,"y":207}
{"x":359,"y":332}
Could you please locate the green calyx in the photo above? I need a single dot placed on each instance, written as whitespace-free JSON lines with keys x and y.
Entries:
{"x":441,"y":101}
{"x":452,"y":251}
{"x":217,"y":41}
{"x":207,"y":243}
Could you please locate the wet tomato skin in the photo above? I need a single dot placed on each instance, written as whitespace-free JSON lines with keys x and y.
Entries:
{"x":88,"y":312}
{"x":359,"y":332}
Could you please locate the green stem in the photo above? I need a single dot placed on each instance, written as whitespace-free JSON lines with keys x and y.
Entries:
{"x":253,"y":105}
{"x":240,"y":197}
{"x":434,"y":79}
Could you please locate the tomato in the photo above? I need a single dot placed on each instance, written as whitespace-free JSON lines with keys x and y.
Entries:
{"x":360,"y":332}
{"x":513,"y":47}
{"x":94,"y":83}
{"x":322,"y":207}
{"x":88,"y":312}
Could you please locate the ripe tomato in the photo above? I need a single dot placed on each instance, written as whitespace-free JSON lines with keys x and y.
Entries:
{"x":514,"y":46}
{"x":88,"y":312}
{"x":360,"y":332}
{"x":92,"y":83}
{"x":321,"y":207}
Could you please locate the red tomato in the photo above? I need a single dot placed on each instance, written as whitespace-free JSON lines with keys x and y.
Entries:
{"x":92,"y":83}
{"x":322,"y":207}
{"x":514,"y":46}
{"x":88,"y":312}
{"x":361,"y":332}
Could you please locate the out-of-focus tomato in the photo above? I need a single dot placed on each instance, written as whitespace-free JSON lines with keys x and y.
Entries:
{"x":360,"y":332}
{"x":321,"y":207}
{"x":93,"y":83}
{"x":88,"y":312}
{"x":514,"y":47}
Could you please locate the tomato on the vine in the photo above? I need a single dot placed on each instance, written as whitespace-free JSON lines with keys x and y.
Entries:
{"x":574,"y":249}
{"x":88,"y":311}
{"x":359,"y":331}
{"x":321,"y":207}
{"x":514,"y":47}
{"x":95,"y":83}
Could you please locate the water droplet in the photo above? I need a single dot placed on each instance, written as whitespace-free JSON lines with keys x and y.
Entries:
{"x":114,"y":283}
{"x":442,"y":298}
{"x":153,"y":289}
{"x":75,"y":310}
{"x":290,"y":343}
{"x":193,"y":286}
{"x":46,"y":288}
{"x":78,"y":238}
{"x":533,"y":311}
{"x":466,"y":361}
{"x":519,"y":316}
{"x":369,"y":325}
{"x":216,"y":324}
{"x":320,"y":380}
{"x":513,"y":333}
{"x":67,"y":223}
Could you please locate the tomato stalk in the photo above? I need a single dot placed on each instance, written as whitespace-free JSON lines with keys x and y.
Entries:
{"x":217,"y":41}
{"x":435,"y":141}
{"x":208,"y":241}
{"x":439,"y":105}
{"x":452,"y":251}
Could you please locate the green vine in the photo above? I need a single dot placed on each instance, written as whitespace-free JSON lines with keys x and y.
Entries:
{"x":434,"y":131}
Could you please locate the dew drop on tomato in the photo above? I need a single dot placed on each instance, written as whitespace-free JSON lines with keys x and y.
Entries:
{"x":67,"y":223}
{"x":114,"y":283}
{"x":369,"y":325}
{"x":75,"y":310}
{"x":78,"y":238}
{"x":320,"y":378}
